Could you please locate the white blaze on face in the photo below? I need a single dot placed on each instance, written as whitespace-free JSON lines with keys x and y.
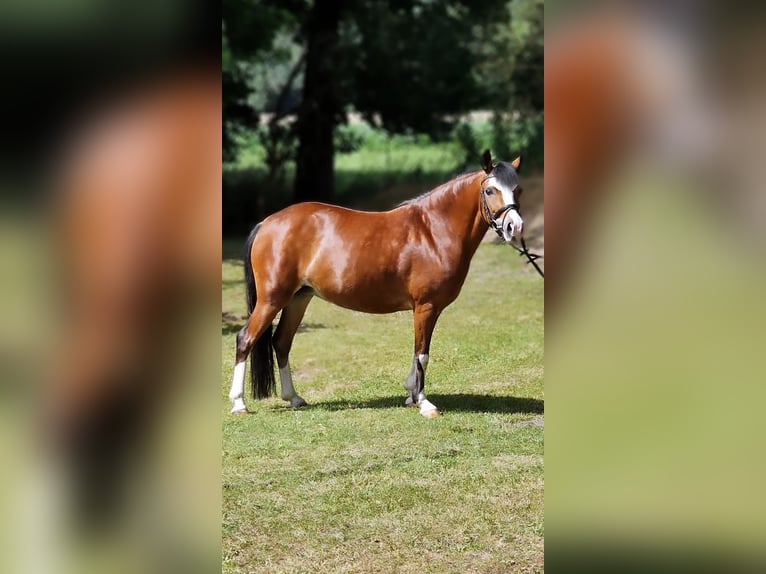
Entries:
{"x":512,"y":225}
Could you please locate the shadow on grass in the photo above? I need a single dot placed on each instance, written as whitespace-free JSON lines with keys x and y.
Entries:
{"x":461,"y":402}
{"x":232,"y":323}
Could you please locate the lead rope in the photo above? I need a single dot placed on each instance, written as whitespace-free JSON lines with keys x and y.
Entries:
{"x":531,"y":257}
{"x":523,"y":251}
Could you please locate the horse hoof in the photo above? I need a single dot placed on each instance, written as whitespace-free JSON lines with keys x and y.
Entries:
{"x":238,"y":411}
{"x":431,"y":413}
{"x":297,"y":402}
{"x":410,"y":403}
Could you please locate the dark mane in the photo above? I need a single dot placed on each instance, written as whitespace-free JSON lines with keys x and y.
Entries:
{"x":503,"y":171}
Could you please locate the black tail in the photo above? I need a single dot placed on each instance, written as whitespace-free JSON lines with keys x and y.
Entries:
{"x":262,"y":354}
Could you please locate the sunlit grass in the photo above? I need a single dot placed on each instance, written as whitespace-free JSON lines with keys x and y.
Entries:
{"x":357,"y":482}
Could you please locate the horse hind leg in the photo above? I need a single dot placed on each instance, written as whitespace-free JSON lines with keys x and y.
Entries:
{"x":291,"y":318}
{"x":260,"y":319}
{"x":412,"y":384}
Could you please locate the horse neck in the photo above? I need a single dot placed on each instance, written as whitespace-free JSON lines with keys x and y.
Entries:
{"x":457,"y":203}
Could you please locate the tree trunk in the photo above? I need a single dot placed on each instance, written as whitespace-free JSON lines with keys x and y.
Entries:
{"x":317,"y":115}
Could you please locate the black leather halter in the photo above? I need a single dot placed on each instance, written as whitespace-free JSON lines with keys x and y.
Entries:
{"x":492,"y":221}
{"x":493,"y":217}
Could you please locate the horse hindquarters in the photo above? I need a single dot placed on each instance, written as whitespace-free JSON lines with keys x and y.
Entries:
{"x":254,"y":339}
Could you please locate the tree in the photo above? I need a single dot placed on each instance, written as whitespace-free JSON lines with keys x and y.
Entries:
{"x":411,"y":64}
{"x":320,"y":105}
{"x":249,"y":28}
{"x":405,"y":65}
{"x":510,"y":73}
{"x":510,"y":53}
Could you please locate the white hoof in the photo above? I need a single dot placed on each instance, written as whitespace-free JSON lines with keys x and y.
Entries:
{"x":428,"y":409}
{"x":410,"y":403}
{"x":239,"y":407}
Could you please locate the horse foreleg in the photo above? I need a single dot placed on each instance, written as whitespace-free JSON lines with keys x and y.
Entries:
{"x":425,"y":320}
{"x":291,"y":318}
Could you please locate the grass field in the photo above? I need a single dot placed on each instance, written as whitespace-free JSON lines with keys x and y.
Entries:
{"x":358,"y":483}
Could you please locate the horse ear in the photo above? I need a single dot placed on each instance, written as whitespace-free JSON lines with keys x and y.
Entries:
{"x":516,"y":163}
{"x":486,"y":162}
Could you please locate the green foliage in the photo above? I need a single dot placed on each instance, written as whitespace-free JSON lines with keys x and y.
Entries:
{"x":473,"y":138}
{"x":527,"y":82}
{"x":279,"y":147}
{"x":377,"y":173}
{"x":238,"y":117}
{"x":375,"y":169}
{"x":510,"y":55}
{"x":469,"y":143}
{"x":506,"y":137}
{"x":254,"y":51}
{"x":277,"y":69}
{"x":348,"y":138}
{"x":409,"y":66}
{"x":249,"y":26}
{"x":523,"y":136}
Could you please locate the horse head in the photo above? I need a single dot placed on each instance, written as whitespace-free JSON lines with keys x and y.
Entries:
{"x":499,"y":197}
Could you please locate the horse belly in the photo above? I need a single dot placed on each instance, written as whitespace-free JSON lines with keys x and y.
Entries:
{"x":367,"y":296}
{"x":354,"y":260}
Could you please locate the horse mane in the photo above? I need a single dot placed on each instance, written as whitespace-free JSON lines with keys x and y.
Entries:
{"x":452,"y":185}
{"x":503,"y":171}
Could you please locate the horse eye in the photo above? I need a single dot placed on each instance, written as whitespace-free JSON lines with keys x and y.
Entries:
{"x":490,"y":191}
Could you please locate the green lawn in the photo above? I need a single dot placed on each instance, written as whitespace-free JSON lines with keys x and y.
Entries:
{"x":358,"y":483}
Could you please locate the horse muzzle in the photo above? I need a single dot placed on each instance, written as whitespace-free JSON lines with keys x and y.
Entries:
{"x":512,"y":225}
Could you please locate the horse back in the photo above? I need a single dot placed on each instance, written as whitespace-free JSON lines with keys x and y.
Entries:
{"x":360,"y":260}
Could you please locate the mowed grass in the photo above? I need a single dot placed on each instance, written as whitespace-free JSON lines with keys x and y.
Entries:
{"x":356,"y":482}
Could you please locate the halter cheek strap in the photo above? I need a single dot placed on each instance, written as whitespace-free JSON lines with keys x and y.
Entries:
{"x":492,"y":218}
{"x":492,"y":221}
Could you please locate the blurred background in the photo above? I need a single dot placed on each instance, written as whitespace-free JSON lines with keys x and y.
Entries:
{"x":109,"y":153}
{"x":365,"y":103}
{"x":655,"y":314}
